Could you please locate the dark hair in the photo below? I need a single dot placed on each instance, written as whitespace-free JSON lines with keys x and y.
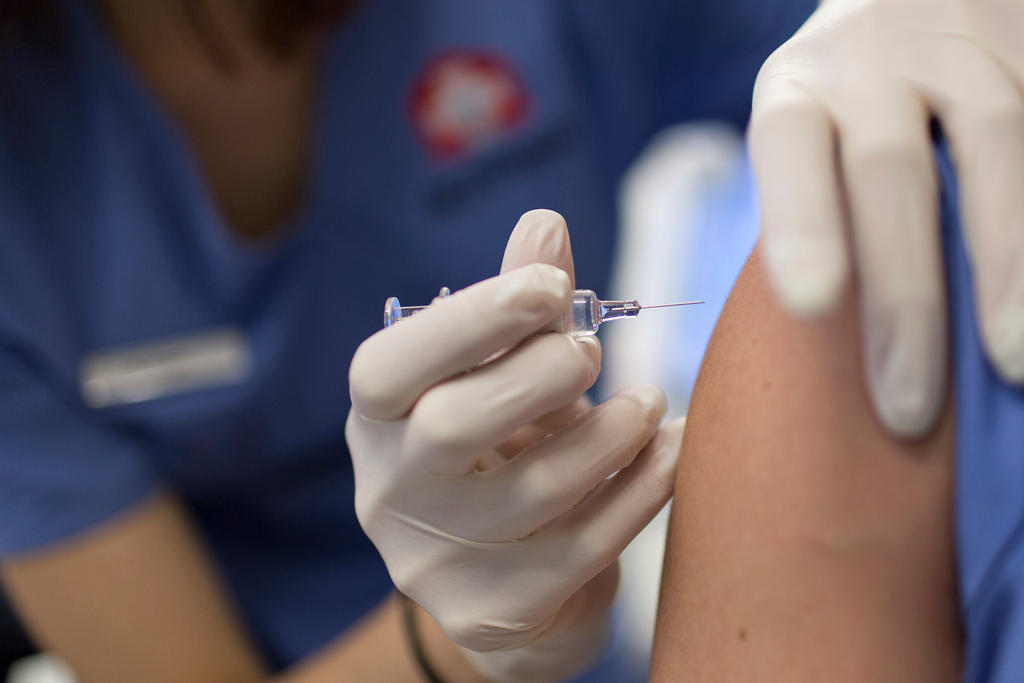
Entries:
{"x":279,"y":22}
{"x":282,"y":18}
{"x":35,"y":20}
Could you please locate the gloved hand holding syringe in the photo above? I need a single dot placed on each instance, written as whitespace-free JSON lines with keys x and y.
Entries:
{"x":499,"y":497}
{"x":583,"y":316}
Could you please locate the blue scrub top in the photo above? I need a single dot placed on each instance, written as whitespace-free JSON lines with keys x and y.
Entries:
{"x":989,"y":479}
{"x":110,"y":237}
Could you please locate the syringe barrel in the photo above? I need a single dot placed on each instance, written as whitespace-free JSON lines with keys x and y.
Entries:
{"x":583,"y":316}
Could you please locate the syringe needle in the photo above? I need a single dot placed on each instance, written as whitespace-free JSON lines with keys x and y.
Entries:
{"x":681,"y":303}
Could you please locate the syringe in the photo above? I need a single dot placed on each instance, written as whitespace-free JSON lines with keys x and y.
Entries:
{"x":585,"y":313}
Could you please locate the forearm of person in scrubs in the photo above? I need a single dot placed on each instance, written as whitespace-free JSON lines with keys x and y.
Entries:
{"x":138,"y":599}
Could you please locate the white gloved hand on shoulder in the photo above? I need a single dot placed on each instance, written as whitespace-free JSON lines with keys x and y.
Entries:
{"x":839,"y":134}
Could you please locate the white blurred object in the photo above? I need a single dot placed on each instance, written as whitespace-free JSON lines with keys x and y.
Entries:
{"x":42,"y":668}
{"x":663,"y":242}
{"x":688,"y":222}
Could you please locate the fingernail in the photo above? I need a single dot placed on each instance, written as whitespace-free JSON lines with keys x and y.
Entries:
{"x":1006,"y":343}
{"x":807,"y":278}
{"x":906,"y":356}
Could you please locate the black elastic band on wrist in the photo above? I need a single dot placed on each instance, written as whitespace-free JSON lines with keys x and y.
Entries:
{"x":412,"y":634}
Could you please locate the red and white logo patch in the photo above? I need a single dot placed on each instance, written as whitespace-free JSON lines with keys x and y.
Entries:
{"x":461,"y":100}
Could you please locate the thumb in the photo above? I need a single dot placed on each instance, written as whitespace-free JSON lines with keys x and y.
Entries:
{"x":540,"y":236}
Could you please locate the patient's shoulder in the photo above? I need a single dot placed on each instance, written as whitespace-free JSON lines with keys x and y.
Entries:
{"x":798,"y":387}
{"x":806,"y":543}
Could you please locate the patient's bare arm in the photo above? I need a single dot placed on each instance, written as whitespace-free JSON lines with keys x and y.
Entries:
{"x":805,"y":543}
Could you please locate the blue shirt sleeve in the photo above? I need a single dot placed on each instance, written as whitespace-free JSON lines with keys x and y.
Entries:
{"x":61,"y":472}
{"x":989,"y":474}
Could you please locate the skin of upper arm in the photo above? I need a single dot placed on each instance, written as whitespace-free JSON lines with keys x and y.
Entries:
{"x":805,"y":543}
{"x":135,"y":599}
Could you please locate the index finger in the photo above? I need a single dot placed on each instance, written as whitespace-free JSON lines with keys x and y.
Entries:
{"x":393,"y":367}
{"x":792,"y":145}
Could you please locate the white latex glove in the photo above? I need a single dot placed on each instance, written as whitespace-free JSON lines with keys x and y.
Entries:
{"x":840,"y":132}
{"x":484,"y":485}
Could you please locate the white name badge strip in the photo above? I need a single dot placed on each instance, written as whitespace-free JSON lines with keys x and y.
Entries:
{"x":149,"y":370}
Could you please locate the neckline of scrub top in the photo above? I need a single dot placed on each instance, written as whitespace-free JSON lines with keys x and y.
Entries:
{"x":230,"y":248}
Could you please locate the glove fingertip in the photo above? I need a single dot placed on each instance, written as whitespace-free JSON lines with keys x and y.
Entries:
{"x":668,"y":445}
{"x":1005,"y":341}
{"x":807,"y":284}
{"x":906,"y":414}
{"x":907,"y":371}
{"x":540,"y":236}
